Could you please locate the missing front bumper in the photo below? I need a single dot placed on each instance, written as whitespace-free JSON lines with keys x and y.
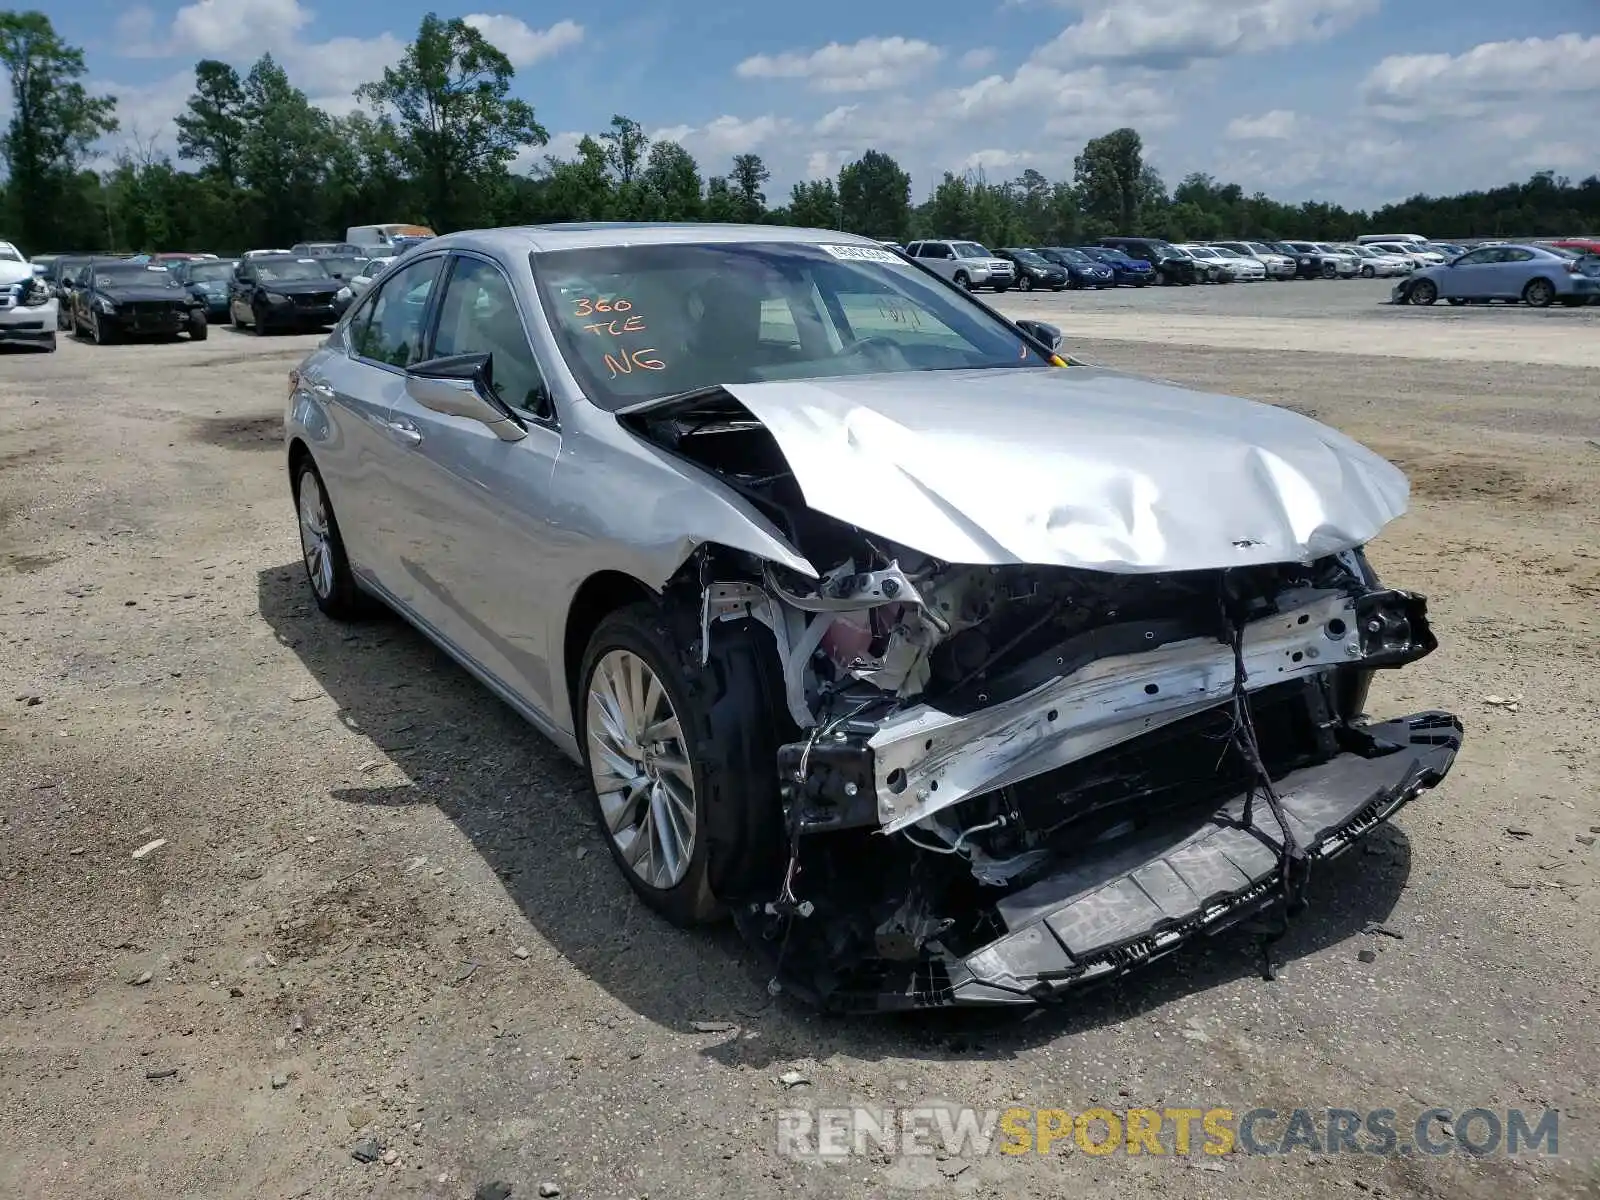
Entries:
{"x":1109,"y":913}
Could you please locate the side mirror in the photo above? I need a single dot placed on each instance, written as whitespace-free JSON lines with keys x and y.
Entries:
{"x":462,"y":385}
{"x":1041,"y":330}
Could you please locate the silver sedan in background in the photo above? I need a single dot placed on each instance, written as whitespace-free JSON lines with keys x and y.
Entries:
{"x":955,"y":671}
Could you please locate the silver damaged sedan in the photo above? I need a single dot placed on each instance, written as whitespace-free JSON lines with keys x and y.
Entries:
{"x":955,"y":671}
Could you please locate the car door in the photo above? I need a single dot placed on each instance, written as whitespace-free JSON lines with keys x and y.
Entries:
{"x":478,"y":509}
{"x":364,"y":463}
{"x":1511,"y":273}
{"x":239,"y":293}
{"x":1470,"y":277}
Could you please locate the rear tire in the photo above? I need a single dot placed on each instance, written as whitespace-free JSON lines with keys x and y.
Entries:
{"x":1540,"y":293}
{"x":333,"y":584}
{"x":729,"y":723}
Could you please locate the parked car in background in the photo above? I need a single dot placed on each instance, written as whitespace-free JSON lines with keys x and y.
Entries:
{"x":1376,"y":263}
{"x":1372,"y":239}
{"x":327,"y":250}
{"x":10,"y":253}
{"x":362,"y":279}
{"x":1576,"y":245}
{"x":1083,"y":270}
{"x":207,"y":280}
{"x":1170,"y":264}
{"x":1275,"y":264}
{"x":264,"y":253}
{"x":1419,"y":253}
{"x":770,"y":592}
{"x":1326,"y":267}
{"x":1307,"y":262}
{"x":29,"y":311}
{"x":966,"y":264}
{"x":1536,"y":275}
{"x":116,"y":300}
{"x":396,"y":237}
{"x":282,"y":291}
{"x":1135,"y":272}
{"x":1033,"y":270}
{"x":1234,"y":267}
{"x":1346,"y":265}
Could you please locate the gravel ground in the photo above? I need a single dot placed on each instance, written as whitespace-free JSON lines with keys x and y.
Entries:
{"x":375,"y":909}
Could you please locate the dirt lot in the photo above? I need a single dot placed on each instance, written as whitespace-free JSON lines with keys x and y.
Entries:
{"x":380,"y":912}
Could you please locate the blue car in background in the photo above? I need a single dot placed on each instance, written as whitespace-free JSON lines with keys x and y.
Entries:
{"x":1538,"y":276}
{"x":207,"y":279}
{"x":1082,"y":271}
{"x":1124,"y":269}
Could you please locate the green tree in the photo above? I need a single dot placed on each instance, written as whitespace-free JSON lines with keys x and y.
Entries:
{"x":1110,"y":177}
{"x":672,"y":179}
{"x":721,"y":203}
{"x":625,"y":145}
{"x":876,"y":197}
{"x":283,"y":156}
{"x":579,"y":189}
{"x":211,"y":127}
{"x":53,"y":123}
{"x":458,"y":124}
{"x":814,"y":205}
{"x":746,"y":179}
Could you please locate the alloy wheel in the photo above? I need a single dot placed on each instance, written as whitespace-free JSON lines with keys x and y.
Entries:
{"x":314,"y":536}
{"x":639,"y":762}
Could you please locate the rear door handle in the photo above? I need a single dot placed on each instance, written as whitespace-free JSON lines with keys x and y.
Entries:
{"x":323,"y":390}
{"x":404,"y":431}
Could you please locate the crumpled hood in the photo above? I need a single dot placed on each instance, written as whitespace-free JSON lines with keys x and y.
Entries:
{"x":1078,"y":467}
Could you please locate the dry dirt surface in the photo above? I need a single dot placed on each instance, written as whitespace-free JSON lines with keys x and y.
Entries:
{"x":376,"y":916}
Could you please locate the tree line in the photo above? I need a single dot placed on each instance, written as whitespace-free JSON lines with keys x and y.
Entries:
{"x":259,"y":165}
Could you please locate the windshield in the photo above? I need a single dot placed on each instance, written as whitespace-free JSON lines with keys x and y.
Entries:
{"x":1166,"y":248}
{"x":342,"y":266}
{"x":210,"y":272}
{"x":969,"y":250}
{"x":638,"y":322}
{"x":282,"y":270}
{"x":1028,"y":257}
{"x":133,"y":275}
{"x":1074,"y":256}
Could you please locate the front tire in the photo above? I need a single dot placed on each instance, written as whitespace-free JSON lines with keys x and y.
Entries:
{"x":199,"y":327}
{"x":98,"y":332}
{"x":1027,"y":283}
{"x":1424,"y":292}
{"x":963,"y":281}
{"x":681,"y":757}
{"x":333,"y":585}
{"x":1368,"y":273}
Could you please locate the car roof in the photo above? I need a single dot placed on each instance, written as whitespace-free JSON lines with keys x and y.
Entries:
{"x":585,"y":235}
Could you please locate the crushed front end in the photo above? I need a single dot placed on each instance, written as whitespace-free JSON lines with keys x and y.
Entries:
{"x":1012,"y":780}
{"x":1002,"y":781}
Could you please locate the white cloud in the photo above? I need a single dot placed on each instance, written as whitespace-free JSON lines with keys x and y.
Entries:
{"x":824,"y":164}
{"x":671,"y":133}
{"x":1168,"y":34}
{"x":997,"y":160}
{"x":978,"y":59}
{"x":1489,"y":77}
{"x":727,"y":136}
{"x":136,"y":34}
{"x":522,"y":44}
{"x":560,"y":145}
{"x":336,"y":67}
{"x":872,"y":64}
{"x":145,"y":115}
{"x":229,"y":28}
{"x":1278,"y":125}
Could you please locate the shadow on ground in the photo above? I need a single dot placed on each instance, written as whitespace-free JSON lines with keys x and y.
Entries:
{"x":525,"y":809}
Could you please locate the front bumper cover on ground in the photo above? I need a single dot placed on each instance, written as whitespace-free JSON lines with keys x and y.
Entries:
{"x":1137,"y":902}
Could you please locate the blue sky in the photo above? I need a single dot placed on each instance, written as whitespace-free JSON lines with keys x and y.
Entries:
{"x":1356,"y":101}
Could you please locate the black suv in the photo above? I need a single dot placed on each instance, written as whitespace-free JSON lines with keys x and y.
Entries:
{"x":1171,"y":265}
{"x":282,"y":291}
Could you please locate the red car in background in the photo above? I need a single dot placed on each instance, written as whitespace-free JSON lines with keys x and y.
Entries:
{"x":1580,"y":245}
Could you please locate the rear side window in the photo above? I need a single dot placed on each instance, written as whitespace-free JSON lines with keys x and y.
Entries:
{"x":390,"y":329}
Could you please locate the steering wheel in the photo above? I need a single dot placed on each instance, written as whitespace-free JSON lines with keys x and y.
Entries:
{"x":879,"y":348}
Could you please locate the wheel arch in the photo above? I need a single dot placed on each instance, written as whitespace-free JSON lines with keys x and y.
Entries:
{"x":596,"y":598}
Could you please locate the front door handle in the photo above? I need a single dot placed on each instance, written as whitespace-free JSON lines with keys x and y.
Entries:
{"x":404,"y":431}
{"x":323,"y":390}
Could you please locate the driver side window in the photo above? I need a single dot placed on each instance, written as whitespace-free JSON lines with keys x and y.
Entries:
{"x":478,"y":315}
{"x":390,"y":329}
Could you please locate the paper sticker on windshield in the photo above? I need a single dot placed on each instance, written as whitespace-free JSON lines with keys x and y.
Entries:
{"x":862,"y":253}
